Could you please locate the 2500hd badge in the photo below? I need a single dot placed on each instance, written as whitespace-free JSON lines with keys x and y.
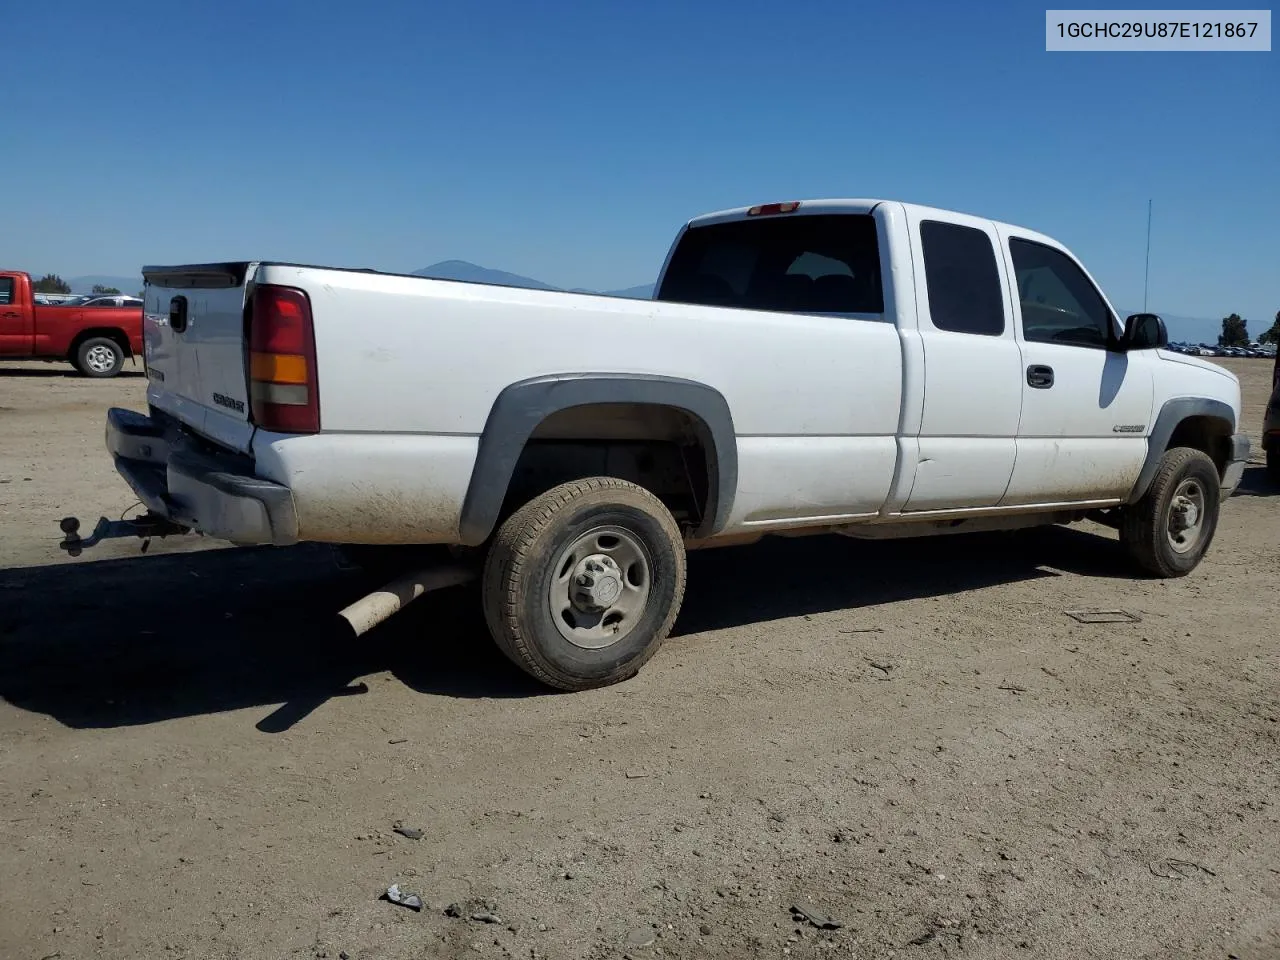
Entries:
{"x":229,"y":402}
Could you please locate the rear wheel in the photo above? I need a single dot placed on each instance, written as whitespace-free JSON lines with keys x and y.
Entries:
{"x":1273,"y":464}
{"x":1168,"y":531}
{"x":583,"y":583}
{"x":99,"y":357}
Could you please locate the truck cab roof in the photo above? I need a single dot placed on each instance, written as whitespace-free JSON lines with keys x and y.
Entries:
{"x":852,"y":205}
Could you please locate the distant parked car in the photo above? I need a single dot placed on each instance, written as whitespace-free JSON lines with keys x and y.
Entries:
{"x":111,"y":301}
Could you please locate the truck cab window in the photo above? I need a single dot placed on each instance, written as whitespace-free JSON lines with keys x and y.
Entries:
{"x":963,"y":280}
{"x":820,"y":263}
{"x":1059,"y":304}
{"x":6,"y":290}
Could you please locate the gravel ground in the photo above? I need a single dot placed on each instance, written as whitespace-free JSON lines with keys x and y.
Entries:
{"x":911,"y":740}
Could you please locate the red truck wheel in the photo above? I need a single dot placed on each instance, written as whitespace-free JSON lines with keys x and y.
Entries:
{"x":99,"y":357}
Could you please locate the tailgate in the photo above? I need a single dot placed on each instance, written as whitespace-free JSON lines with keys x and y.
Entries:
{"x":194,"y":333}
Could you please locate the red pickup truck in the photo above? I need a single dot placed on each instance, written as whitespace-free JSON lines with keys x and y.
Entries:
{"x":94,"y":339}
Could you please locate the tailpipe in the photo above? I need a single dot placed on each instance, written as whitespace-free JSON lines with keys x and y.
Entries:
{"x":369,"y":611}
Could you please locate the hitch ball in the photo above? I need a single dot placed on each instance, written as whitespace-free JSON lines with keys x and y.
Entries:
{"x":69,"y":525}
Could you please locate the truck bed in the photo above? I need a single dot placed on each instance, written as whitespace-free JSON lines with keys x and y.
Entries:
{"x":409,"y":369}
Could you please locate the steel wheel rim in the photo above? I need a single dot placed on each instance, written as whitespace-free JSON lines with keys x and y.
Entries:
{"x":1186,"y":516}
{"x":100,"y":359}
{"x":600,"y":587}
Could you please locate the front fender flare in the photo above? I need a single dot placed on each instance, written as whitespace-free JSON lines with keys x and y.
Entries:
{"x":1171,"y":414}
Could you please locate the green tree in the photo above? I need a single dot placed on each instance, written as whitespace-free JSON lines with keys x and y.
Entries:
{"x":1235,"y":332}
{"x":101,"y":291}
{"x":51,"y":283}
{"x":1272,"y":335}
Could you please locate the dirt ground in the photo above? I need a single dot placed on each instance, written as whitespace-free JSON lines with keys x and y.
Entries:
{"x":911,"y":737}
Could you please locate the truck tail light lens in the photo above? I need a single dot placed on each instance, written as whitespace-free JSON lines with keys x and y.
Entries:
{"x":284,"y":395}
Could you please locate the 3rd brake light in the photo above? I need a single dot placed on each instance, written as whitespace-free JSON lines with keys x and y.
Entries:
{"x":283,"y":393}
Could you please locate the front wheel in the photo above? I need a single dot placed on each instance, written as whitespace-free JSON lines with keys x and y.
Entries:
{"x":1168,"y":531}
{"x":99,"y":357}
{"x":582,"y":584}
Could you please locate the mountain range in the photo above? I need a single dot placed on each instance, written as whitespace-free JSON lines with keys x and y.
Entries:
{"x":126,"y":285}
{"x":474,"y":273}
{"x":1188,"y":329}
{"x":444,"y":270}
{"x":1181,"y":328}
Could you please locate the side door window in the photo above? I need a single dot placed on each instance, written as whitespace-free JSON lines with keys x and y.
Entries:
{"x":6,"y":290}
{"x":1059,"y":304}
{"x":962,"y":278}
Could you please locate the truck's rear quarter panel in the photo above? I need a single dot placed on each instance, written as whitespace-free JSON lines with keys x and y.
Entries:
{"x":56,"y":328}
{"x":409,"y":369}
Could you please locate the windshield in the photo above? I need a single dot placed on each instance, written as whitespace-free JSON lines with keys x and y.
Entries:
{"x":821,"y":263}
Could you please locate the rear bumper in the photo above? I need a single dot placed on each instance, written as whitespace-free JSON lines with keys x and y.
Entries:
{"x":1234,"y":471}
{"x":215,"y":494}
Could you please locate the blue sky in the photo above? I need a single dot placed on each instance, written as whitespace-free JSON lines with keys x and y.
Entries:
{"x":568,"y":141}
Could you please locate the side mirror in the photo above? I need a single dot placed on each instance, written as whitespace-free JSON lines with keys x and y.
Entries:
{"x":1144,"y":331}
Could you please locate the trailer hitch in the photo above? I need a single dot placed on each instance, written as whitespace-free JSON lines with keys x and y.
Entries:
{"x":144,"y":527}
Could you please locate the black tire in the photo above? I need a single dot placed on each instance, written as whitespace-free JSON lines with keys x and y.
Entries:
{"x":1273,"y":465}
{"x":543,"y":549}
{"x":99,"y":357}
{"x":1147,"y":529}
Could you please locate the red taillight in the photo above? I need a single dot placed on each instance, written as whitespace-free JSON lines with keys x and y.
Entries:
{"x":765,"y":209}
{"x":283,"y":393}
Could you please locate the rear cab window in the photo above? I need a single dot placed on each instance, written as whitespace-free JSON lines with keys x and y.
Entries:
{"x":962,"y":278}
{"x":791,"y":263}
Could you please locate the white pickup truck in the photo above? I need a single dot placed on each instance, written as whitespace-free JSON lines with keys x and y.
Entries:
{"x":862,"y":367}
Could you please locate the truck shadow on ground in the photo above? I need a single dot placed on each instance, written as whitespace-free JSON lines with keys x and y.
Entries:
{"x":1256,"y":483}
{"x":123,"y":642}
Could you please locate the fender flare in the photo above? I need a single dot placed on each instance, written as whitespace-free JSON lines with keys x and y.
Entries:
{"x":1171,"y":414}
{"x":520,"y":407}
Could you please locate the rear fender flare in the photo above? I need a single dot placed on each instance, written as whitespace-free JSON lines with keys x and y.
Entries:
{"x":521,"y":406}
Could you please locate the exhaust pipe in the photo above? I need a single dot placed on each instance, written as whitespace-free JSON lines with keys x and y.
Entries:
{"x":369,"y":611}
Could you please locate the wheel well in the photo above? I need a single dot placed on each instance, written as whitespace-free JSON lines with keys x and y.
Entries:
{"x":111,"y":333}
{"x":1211,"y":435}
{"x":666,"y":450}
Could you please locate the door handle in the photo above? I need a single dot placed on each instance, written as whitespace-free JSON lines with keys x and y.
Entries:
{"x":1039,"y":376}
{"x":9,"y":313}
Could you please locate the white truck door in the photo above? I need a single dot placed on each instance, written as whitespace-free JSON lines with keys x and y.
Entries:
{"x":972,"y":365}
{"x":1086,"y":409}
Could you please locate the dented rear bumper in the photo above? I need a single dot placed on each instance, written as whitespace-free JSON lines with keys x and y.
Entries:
{"x":214,"y":493}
